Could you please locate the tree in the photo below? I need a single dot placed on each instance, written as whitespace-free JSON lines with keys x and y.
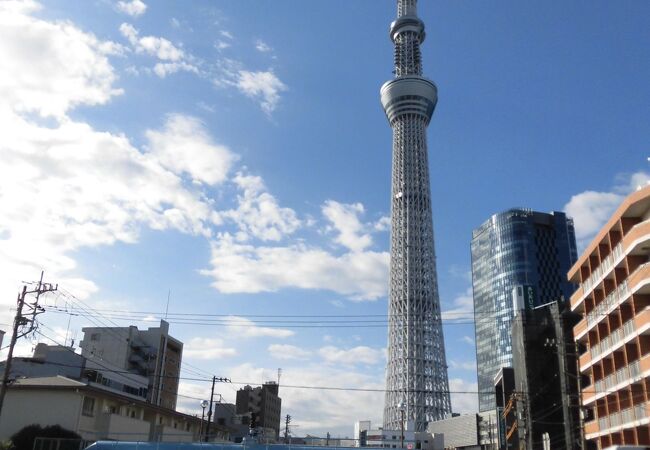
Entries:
{"x":24,"y":439}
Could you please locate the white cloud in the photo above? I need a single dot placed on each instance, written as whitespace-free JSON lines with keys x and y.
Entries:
{"x":468,"y":340}
{"x":383,"y":224}
{"x":263,"y":86}
{"x":164,"y":69}
{"x":85,"y":187}
{"x":172,"y":58}
{"x":351,"y":356}
{"x":464,"y":396}
{"x":241,"y":327}
{"x":591,"y":209}
{"x":50,"y":67}
{"x":286,"y":352}
{"x":239,"y":268}
{"x":159,"y":47}
{"x":462,"y":365}
{"x":345,"y":219}
{"x":221,"y":45}
{"x":207,"y":348}
{"x":226,"y":34}
{"x":258,"y":213}
{"x":133,"y":8}
{"x":184,"y":146}
{"x":462,"y":307}
{"x":262,"y":46}
{"x":19,"y":6}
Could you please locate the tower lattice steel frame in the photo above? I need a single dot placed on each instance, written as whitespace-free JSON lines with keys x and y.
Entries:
{"x":416,"y":373}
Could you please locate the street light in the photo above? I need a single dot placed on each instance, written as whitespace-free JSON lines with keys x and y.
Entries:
{"x":204,"y":404}
{"x":401,"y":422}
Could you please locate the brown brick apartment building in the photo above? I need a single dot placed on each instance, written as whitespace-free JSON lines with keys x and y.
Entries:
{"x":613,"y":296}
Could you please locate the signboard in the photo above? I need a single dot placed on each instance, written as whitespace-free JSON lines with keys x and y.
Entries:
{"x":529,"y":296}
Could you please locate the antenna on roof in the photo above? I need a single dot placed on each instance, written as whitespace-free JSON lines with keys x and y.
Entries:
{"x":169,"y":293}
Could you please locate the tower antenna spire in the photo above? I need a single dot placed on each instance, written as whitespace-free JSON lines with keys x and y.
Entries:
{"x":417,"y":386}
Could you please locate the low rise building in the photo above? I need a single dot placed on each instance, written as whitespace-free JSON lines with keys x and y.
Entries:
{"x":366,"y":436}
{"x":467,"y":431}
{"x":92,"y":411}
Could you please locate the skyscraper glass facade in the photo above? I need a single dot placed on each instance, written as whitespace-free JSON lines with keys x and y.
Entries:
{"x":518,"y":247}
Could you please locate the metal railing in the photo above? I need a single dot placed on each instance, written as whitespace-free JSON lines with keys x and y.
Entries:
{"x":608,"y":342}
{"x":612,"y":300}
{"x":604,"y":268}
{"x":45,"y":443}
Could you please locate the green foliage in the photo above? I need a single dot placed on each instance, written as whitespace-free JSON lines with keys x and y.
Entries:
{"x":24,"y":439}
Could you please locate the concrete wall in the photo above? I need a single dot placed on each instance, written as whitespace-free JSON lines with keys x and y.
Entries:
{"x":460,"y":431}
{"x":114,"y":426}
{"x":112,"y":344}
{"x":22,"y":408}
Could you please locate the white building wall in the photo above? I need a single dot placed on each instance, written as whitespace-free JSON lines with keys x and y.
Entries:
{"x":22,"y":408}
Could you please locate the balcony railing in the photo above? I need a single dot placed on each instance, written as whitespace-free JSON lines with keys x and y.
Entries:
{"x":602,"y":269}
{"x":618,"y":336}
{"x":626,"y":416}
{"x":622,"y":375}
{"x":613,"y":299}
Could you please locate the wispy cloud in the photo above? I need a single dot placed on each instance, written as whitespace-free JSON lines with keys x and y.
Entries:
{"x":288,"y":352}
{"x":262,"y":86}
{"x":243,"y":327}
{"x":207,"y":348}
{"x":133,"y":8}
{"x":171,"y":57}
{"x":352,"y":356}
{"x":245,"y":268}
{"x":262,"y":46}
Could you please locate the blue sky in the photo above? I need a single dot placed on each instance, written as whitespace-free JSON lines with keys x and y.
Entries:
{"x":235,"y":153}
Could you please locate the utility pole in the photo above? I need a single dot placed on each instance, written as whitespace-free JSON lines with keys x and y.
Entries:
{"x":207,"y":428}
{"x":287,"y":421}
{"x":214,"y":380}
{"x":23,"y":325}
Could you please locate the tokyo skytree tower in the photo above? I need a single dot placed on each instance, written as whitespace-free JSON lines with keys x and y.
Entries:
{"x":416,"y":374}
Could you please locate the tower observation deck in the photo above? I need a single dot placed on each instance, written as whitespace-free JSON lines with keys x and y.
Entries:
{"x":416,"y":373}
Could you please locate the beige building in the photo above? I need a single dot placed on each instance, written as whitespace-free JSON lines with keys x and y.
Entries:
{"x":151,"y":353}
{"x":613,"y":297}
{"x":94,"y":412}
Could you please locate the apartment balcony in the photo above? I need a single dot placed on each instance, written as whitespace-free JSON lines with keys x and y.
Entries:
{"x":635,"y":282}
{"x":640,"y":277}
{"x":608,"y":344}
{"x":112,"y":426}
{"x":635,"y":416}
{"x":620,"y":379}
{"x":638,"y":237}
{"x":642,"y":321}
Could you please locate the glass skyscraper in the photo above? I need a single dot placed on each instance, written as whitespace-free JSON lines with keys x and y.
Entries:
{"x":515,"y":249}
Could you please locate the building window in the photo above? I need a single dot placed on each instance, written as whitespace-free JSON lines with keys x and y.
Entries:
{"x":88,"y":407}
